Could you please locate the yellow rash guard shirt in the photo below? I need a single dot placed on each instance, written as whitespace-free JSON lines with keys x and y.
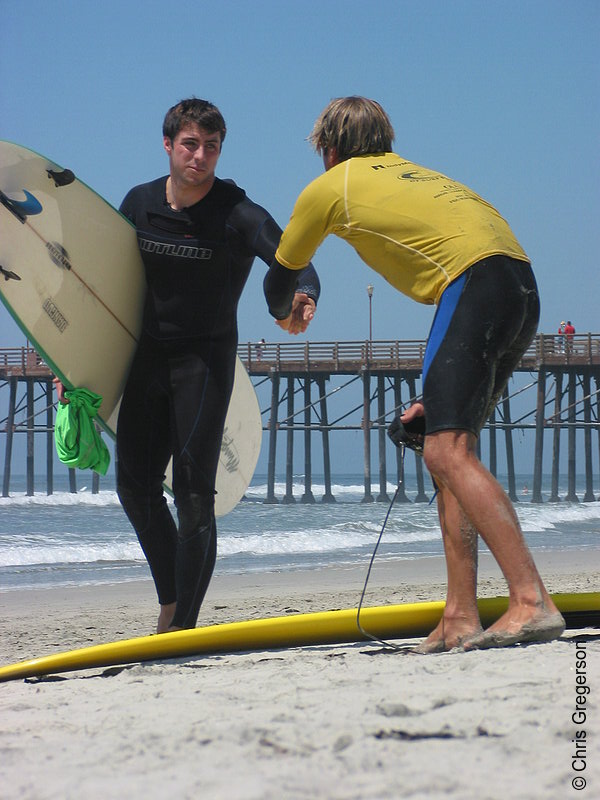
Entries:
{"x":417,"y":228}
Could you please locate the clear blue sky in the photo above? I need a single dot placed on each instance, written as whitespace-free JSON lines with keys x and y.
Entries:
{"x":501,"y":96}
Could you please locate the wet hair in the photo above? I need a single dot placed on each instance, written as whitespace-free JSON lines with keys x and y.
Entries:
{"x":355,"y":126}
{"x":194,"y":112}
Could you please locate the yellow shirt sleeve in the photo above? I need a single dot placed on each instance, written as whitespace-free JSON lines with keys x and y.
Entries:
{"x":312,"y":220}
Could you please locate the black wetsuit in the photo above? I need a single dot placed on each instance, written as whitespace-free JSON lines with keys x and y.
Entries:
{"x":175,"y":402}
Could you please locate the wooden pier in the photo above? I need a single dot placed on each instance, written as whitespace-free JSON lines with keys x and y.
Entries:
{"x":375,"y":378}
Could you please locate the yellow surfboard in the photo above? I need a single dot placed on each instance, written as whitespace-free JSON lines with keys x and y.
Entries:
{"x":328,"y":627}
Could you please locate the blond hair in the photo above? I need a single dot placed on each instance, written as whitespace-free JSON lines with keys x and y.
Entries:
{"x":355,"y":126}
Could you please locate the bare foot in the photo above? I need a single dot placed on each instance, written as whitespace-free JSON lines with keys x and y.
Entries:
{"x":164,"y":618}
{"x":539,"y":625}
{"x":448,"y":634}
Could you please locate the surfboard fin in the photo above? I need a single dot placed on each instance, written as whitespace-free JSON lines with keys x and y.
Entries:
{"x":61,"y":177}
{"x":13,"y":208}
{"x":8,"y":274}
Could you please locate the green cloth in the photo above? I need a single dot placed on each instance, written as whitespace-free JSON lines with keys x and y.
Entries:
{"x":78,"y":442}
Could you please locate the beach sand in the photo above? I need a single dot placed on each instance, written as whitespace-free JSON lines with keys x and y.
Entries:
{"x":352,"y":721}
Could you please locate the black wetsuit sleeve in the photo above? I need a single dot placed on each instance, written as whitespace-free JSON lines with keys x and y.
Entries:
{"x":264,"y":240}
{"x":280,"y":285}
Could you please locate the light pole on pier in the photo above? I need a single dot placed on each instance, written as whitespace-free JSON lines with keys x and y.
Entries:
{"x":370,"y":293}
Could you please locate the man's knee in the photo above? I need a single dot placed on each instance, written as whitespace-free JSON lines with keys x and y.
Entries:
{"x":434,"y":460}
{"x":141,"y":506}
{"x":445,"y":452}
{"x":196,"y":514}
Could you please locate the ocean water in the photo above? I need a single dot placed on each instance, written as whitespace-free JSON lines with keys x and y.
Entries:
{"x":84,"y":538}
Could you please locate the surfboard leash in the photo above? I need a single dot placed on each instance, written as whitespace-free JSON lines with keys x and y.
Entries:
{"x":411,"y":435}
{"x":365,"y":633}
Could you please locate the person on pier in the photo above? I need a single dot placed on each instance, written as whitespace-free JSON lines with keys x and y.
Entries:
{"x":561,"y":337}
{"x":438,"y":242}
{"x":570,"y":335}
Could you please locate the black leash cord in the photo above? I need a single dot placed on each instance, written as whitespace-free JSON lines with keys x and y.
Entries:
{"x":362,"y":597}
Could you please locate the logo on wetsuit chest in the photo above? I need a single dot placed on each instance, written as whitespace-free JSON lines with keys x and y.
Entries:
{"x":175,"y":250}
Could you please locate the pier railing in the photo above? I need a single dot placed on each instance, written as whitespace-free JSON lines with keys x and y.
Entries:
{"x":332,"y":356}
{"x":21,"y":361}
{"x":350,"y":357}
{"x":545,"y":350}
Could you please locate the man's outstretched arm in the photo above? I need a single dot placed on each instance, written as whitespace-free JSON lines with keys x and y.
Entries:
{"x":291,"y":295}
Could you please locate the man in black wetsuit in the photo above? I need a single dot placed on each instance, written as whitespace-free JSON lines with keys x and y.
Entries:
{"x":198,"y":236}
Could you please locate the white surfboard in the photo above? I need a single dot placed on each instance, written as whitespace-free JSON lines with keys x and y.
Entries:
{"x":72,"y":277}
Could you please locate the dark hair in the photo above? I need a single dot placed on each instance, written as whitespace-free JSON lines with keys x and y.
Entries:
{"x":194,"y":112}
{"x":355,"y":126}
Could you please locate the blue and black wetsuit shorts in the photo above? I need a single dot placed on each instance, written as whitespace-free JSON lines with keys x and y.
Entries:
{"x":484,"y":323}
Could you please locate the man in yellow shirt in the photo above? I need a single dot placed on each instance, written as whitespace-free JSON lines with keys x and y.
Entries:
{"x":438,"y":242}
